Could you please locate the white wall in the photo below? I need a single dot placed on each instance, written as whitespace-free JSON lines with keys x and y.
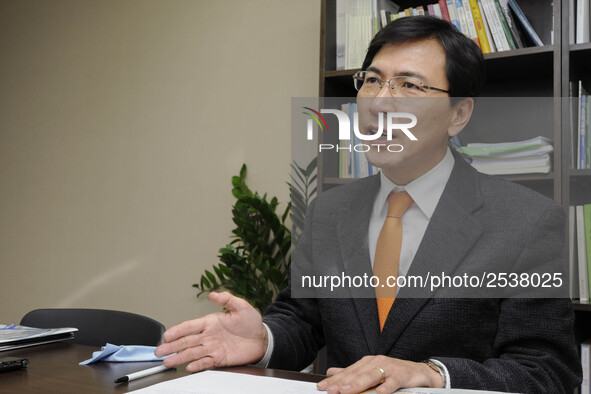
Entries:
{"x":121,"y":124}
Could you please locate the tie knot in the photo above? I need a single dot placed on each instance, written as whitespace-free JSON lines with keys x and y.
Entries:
{"x":398,"y":203}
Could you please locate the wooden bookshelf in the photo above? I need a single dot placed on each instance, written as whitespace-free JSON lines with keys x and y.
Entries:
{"x":582,"y":306}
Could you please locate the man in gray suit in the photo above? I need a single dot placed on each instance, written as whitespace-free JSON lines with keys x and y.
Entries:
{"x":458,"y":221}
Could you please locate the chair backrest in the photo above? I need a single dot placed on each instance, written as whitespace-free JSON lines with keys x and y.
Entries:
{"x":98,"y":326}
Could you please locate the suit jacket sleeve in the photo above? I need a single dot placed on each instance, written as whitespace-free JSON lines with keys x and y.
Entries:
{"x":295,"y":322}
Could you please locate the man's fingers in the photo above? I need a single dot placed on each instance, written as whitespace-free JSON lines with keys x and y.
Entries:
{"x":186,"y":328}
{"x":333,"y":371}
{"x":196,"y":326}
{"x":191,"y":354}
{"x":200,"y":365}
{"x":228,"y":301}
{"x":357,"y":377}
{"x":352,"y":381}
{"x":178,"y":345}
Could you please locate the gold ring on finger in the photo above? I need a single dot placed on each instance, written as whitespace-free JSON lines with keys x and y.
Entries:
{"x":383,"y":375}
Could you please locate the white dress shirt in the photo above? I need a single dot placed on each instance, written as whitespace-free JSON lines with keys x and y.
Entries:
{"x":425,"y":192}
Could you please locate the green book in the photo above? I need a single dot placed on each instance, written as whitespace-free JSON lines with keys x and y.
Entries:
{"x":588,"y":135}
{"x":587,"y":221}
{"x":505,"y":25}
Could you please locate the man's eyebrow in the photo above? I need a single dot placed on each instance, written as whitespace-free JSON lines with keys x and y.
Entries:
{"x":409,"y":73}
{"x":374,"y":69}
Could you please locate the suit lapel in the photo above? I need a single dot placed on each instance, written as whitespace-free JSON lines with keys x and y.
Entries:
{"x":451,"y":233}
{"x":352,"y":238}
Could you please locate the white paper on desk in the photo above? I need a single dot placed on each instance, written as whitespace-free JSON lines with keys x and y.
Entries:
{"x":218,"y":382}
{"x":421,"y":390}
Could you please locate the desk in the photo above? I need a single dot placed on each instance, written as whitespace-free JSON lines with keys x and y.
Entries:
{"x":54,"y":369}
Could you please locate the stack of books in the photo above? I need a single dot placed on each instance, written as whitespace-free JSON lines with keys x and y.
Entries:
{"x":507,"y":158}
{"x":495,"y":25}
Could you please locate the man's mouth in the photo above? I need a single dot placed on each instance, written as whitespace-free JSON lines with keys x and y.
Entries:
{"x":373,"y":130}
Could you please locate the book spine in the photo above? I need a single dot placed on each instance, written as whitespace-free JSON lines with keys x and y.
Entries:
{"x":572,"y":261}
{"x":431,"y":9}
{"x":344,"y":155}
{"x":588,"y":135}
{"x":462,"y":17}
{"x":582,"y":256}
{"x":451,"y":9}
{"x":525,"y":23}
{"x":485,"y":22}
{"x":444,"y":13}
{"x":587,"y":224}
{"x":363,"y":163}
{"x":582,"y":21}
{"x":472,"y":33}
{"x":340,"y":34}
{"x":353,"y":154}
{"x":505,"y":25}
{"x":585,"y":355}
{"x":384,"y":18}
{"x":369,"y":28}
{"x":348,"y":34}
{"x":578,"y":125}
{"x":582,"y":136}
{"x":571,"y":21}
{"x":437,"y":10}
{"x":479,"y":23}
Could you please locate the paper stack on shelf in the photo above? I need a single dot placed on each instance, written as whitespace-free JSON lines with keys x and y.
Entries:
{"x":506,"y":158}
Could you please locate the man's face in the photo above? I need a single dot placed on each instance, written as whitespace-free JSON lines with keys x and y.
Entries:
{"x":425,"y":60}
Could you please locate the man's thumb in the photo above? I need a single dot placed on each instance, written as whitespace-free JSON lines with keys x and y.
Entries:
{"x":227,"y":300}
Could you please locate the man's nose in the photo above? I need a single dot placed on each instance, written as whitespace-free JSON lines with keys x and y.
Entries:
{"x":383,"y":101}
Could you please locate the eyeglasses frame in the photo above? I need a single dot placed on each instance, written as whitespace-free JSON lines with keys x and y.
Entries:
{"x":357,"y":77}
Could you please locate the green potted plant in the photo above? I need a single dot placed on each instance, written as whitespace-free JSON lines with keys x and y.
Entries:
{"x":255,"y":264}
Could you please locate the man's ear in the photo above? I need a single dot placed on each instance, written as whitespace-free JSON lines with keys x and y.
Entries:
{"x":462,"y":112}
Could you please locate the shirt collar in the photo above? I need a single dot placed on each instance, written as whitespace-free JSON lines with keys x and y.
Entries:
{"x":425,"y":190}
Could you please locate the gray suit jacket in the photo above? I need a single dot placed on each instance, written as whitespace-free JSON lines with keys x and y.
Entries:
{"x":480,"y":223}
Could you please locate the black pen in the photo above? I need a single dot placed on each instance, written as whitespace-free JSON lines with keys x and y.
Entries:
{"x":141,"y":374}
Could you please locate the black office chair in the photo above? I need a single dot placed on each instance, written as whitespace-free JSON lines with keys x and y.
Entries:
{"x":97,"y":326}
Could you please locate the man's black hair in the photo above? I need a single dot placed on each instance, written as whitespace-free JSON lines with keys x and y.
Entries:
{"x":464,"y":65}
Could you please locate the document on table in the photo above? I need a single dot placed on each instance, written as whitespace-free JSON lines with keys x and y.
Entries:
{"x":219,"y":382}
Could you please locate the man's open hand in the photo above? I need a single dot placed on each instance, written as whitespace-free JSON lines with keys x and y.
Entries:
{"x":234,"y":337}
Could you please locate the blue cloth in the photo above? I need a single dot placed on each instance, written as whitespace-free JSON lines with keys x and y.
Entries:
{"x":121,"y":353}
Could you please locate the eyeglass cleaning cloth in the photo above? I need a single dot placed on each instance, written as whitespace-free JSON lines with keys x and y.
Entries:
{"x":122,"y":353}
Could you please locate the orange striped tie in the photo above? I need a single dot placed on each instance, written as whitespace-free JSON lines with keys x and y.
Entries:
{"x":388,"y":252}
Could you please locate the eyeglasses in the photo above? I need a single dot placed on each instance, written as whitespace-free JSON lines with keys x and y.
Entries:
{"x":370,"y":83}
